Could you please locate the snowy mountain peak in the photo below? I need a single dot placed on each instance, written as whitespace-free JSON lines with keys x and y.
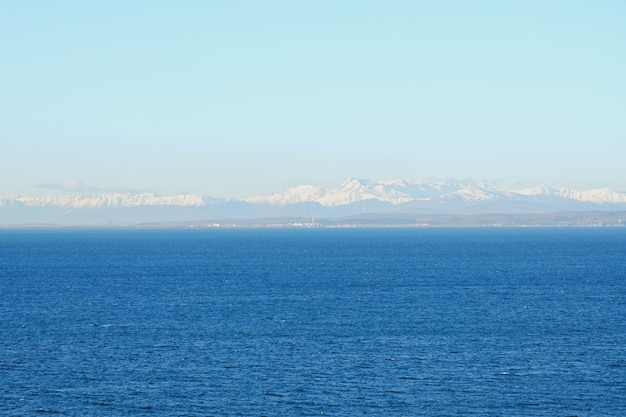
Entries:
{"x":392,"y":192}
{"x":399,"y":191}
{"x":542,"y":190}
{"x":395,"y":191}
{"x":108,"y":200}
{"x":599,"y":195}
{"x":294,"y":195}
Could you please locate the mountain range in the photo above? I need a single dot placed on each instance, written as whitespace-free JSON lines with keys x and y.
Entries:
{"x":354,"y":197}
{"x":397,"y":192}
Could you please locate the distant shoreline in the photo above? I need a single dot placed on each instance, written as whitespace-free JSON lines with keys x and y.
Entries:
{"x":560,"y":219}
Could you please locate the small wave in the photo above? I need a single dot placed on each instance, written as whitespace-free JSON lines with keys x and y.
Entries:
{"x":46,"y":411}
{"x":273,"y":394}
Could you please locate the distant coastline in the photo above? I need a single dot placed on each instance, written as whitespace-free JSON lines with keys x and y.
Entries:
{"x":560,"y":219}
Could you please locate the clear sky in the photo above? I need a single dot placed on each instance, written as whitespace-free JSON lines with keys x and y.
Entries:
{"x":240,"y":98}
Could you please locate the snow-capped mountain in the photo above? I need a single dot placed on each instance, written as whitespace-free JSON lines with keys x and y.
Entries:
{"x":109,"y":200}
{"x":398,"y":192}
{"x":353,"y":197}
{"x":598,"y":196}
{"x":394,"y":192}
{"x":294,"y":195}
{"x":389,"y":191}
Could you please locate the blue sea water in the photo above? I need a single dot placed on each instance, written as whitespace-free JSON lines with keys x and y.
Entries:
{"x":309,"y":322}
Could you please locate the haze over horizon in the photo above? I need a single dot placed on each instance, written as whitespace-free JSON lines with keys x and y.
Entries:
{"x":250,"y":98}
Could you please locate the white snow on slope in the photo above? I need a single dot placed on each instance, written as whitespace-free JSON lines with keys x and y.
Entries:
{"x":390,"y":191}
{"x":110,"y":200}
{"x":294,"y":195}
{"x":351,"y":191}
{"x":598,"y":195}
{"x":403,"y":191}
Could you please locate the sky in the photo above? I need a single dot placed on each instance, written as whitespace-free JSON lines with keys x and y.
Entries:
{"x":242,"y":98}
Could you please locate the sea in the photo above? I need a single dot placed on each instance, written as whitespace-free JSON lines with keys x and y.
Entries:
{"x":313,"y":322}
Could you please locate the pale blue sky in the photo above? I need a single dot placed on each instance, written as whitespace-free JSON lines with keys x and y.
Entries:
{"x":238,"y":98}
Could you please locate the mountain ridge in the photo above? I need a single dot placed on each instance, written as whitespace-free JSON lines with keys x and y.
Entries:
{"x":352,"y":197}
{"x":404,"y":191}
{"x":353,"y":190}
